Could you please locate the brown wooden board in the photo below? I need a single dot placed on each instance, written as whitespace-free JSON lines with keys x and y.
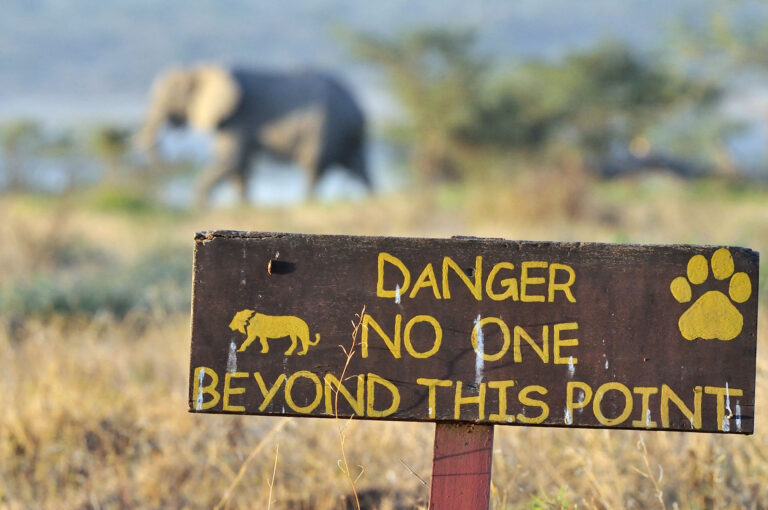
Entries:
{"x":476,"y":330}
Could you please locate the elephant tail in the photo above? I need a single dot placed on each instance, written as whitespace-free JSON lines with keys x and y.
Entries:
{"x":317,"y":340}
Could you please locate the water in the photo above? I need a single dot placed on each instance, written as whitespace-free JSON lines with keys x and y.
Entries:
{"x":276,"y":183}
{"x":272,"y":183}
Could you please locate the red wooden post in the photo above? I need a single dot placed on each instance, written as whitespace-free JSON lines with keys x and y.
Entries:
{"x":461,"y":466}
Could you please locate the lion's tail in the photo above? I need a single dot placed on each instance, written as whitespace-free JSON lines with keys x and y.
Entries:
{"x":317,"y":340}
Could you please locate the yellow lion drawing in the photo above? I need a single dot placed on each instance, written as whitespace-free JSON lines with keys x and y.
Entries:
{"x":257,"y":325}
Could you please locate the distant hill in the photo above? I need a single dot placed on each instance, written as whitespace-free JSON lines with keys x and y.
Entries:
{"x":64,"y":58}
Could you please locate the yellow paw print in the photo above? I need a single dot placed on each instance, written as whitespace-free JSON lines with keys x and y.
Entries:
{"x":713,"y":314}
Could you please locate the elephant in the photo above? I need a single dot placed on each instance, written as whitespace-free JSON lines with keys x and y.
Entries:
{"x":307,"y":117}
{"x":258,"y":325}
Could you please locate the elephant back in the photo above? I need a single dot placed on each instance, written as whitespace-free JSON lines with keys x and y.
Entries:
{"x":269,"y":96}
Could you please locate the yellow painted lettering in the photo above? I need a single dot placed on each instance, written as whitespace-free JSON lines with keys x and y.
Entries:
{"x":526,"y":281}
{"x":502,"y":415}
{"x":478,"y":399}
{"x":570,"y":403}
{"x":508,"y":284}
{"x":426,"y":279}
{"x":370,"y":409}
{"x":308,"y":408}
{"x":438,"y":330}
{"x":268,"y":394}
{"x":559,"y":343}
{"x":334,"y":388}
{"x":694,"y":416}
{"x":394,"y":261}
{"x":431,"y":384}
{"x":229,"y":390}
{"x":392,"y":345}
{"x":623,"y":415}
{"x":542,"y":351}
{"x":565,"y":288}
{"x":474,"y":287}
{"x":476,"y":331}
{"x":199,"y":391}
{"x":645,"y":413}
{"x":721,"y":394}
{"x":526,"y":401}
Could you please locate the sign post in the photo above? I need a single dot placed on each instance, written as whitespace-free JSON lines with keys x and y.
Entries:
{"x":471,"y":333}
{"x":461,"y":469}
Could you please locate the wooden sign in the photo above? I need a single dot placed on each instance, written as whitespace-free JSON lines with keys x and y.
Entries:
{"x":485,"y":331}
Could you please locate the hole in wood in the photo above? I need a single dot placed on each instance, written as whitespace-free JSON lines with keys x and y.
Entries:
{"x":280,"y":267}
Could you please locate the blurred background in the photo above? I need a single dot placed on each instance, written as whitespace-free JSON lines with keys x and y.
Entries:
{"x":642,"y":122}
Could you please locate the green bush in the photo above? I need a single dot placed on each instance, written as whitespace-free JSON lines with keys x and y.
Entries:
{"x":159,"y":282}
{"x":115,"y":199}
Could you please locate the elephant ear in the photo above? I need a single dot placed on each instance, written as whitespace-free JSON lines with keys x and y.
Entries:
{"x":215,"y":97}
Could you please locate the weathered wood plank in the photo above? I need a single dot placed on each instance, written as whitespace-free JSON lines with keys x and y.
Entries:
{"x":476,"y":330}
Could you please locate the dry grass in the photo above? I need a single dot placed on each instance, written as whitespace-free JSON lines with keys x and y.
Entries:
{"x":94,"y":405}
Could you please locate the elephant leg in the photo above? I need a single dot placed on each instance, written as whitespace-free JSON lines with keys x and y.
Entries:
{"x":232,"y":155}
{"x":357,"y":165}
{"x":356,"y":162}
{"x":241,"y":181}
{"x":309,"y":158}
{"x":314,"y":172}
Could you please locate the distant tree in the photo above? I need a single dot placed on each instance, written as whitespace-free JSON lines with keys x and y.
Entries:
{"x":732,"y":38}
{"x":437,"y":77}
{"x":605,"y":99}
{"x":64,"y":148}
{"x":20,"y":139}
{"x":601,"y":102}
{"x":728,"y":45}
{"x":110,"y":145}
